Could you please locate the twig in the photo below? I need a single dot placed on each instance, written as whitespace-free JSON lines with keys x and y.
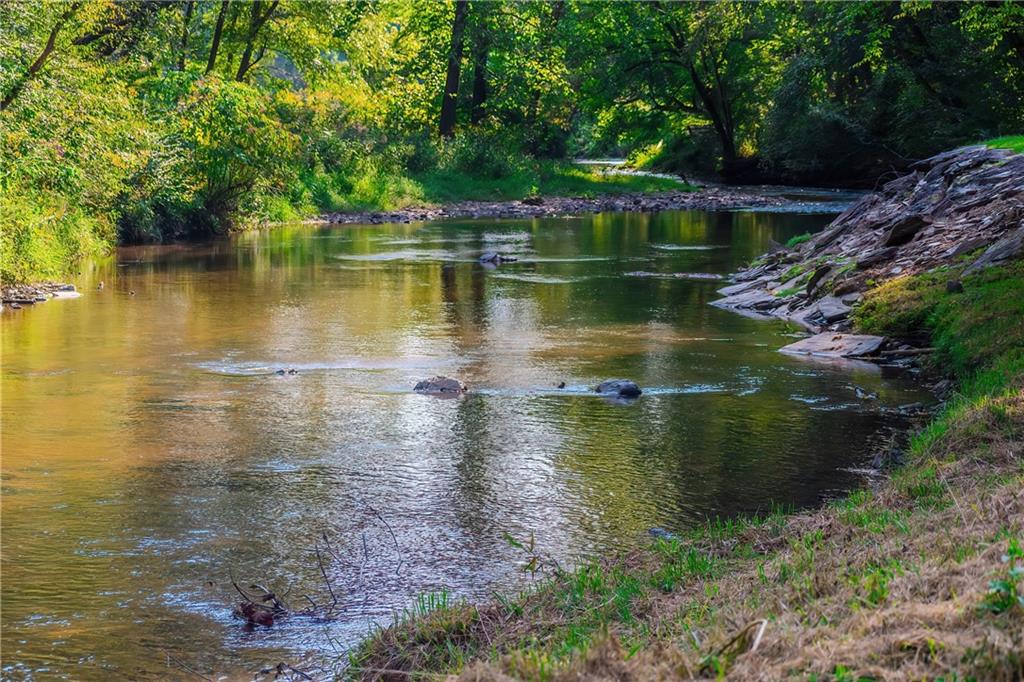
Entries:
{"x":760,"y":624}
{"x":909,"y":351}
{"x":183,"y":666}
{"x":394,"y":539}
{"x":297,"y":671}
{"x":320,"y":562}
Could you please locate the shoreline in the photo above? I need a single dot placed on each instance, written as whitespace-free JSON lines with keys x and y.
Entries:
{"x":703,"y":198}
{"x":916,"y":575}
{"x":714,"y":198}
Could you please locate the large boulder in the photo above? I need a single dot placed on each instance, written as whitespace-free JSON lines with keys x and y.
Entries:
{"x":440,"y":385}
{"x":620,"y":388}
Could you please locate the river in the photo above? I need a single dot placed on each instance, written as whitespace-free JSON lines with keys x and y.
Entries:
{"x":151,"y":451}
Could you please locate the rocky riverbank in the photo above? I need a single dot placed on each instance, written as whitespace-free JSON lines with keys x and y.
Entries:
{"x":709,"y":198}
{"x":964,"y":204}
{"x":18,"y":295}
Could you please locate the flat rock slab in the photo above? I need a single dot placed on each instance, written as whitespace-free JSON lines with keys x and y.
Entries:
{"x":832,"y":345}
{"x":759,"y":299}
{"x":734,"y":289}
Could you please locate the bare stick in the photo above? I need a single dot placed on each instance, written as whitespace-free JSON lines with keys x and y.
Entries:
{"x":298,"y":672}
{"x":183,"y":666}
{"x":320,"y":562}
{"x":394,"y":539}
{"x":909,"y":351}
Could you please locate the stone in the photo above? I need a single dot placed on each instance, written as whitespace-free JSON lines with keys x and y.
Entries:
{"x":832,"y":309}
{"x":755,"y":298}
{"x":1006,"y":248}
{"x":619,"y":387}
{"x":698,"y":276}
{"x":662,"y":534}
{"x":496,"y":258}
{"x":832,"y":345}
{"x":440,"y":385}
{"x":876,"y":257}
{"x":851,"y":298}
{"x":734,"y":289}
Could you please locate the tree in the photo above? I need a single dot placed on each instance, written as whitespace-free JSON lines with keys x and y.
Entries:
{"x":218,"y":29}
{"x":450,"y":98}
{"x":44,"y":55}
{"x":481,"y":51}
{"x":189,"y":7}
{"x":258,"y":17}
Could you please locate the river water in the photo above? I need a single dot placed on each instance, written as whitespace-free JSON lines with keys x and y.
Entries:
{"x":150,"y":451}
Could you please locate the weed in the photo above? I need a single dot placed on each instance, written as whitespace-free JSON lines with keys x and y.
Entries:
{"x":798,"y":239}
{"x":1005,"y":593}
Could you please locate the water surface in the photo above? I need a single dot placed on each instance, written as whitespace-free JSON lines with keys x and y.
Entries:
{"x":150,"y":450}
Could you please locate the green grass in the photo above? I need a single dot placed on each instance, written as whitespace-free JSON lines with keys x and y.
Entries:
{"x":969,"y":329}
{"x":1012,"y":142}
{"x":798,"y":239}
{"x":370,"y":187}
{"x":42,"y":237}
{"x":547,"y":180}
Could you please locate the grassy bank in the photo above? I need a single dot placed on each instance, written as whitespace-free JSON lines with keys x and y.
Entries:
{"x":1011,"y":142}
{"x":919,"y":577}
{"x":382,"y":189}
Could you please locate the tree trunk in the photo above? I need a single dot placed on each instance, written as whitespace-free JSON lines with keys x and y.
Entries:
{"x":257,"y":20}
{"x":446,"y":125}
{"x":217,"y":30}
{"x":189,"y":7}
{"x":40,"y":61}
{"x":481,"y":48}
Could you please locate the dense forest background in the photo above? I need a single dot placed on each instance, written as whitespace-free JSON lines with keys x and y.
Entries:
{"x":145,"y":121}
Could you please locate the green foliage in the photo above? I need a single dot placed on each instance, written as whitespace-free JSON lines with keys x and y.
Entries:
{"x":799,"y":239}
{"x":968,"y":329}
{"x":1004,"y":592}
{"x":40,"y":235}
{"x":1012,"y":142}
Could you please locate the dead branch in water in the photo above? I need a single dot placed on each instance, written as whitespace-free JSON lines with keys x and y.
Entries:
{"x":184,"y":667}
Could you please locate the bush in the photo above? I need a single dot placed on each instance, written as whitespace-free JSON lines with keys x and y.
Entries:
{"x":482,"y":154}
{"x":42,"y":236}
{"x":694,"y":151}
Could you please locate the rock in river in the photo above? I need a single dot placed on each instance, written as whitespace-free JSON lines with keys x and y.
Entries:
{"x":440,"y":386}
{"x":830,"y":345}
{"x":619,"y":387}
{"x":496,"y":258}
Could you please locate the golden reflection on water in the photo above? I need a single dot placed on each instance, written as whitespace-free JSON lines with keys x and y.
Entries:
{"x":149,"y":448}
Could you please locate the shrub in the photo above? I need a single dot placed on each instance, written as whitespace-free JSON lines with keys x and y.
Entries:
{"x":233,"y":146}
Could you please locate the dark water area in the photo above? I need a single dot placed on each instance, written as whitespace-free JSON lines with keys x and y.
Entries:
{"x":150,"y":451}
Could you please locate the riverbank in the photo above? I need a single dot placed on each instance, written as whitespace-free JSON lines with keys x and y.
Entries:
{"x":708,"y":199}
{"x":918,"y":575}
{"x":964,"y":207}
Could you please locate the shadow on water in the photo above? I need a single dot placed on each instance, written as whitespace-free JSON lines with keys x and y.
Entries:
{"x":151,"y":449}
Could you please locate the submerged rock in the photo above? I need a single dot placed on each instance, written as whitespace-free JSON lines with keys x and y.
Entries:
{"x":619,"y":387}
{"x":496,"y":258}
{"x":662,"y":534}
{"x":440,"y":385}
